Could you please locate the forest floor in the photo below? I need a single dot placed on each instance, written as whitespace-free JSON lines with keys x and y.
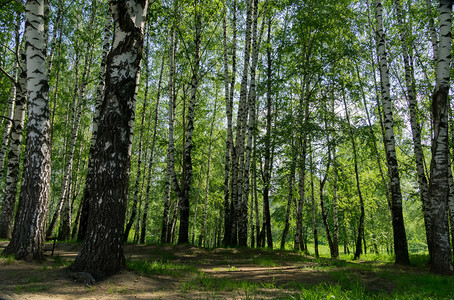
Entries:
{"x":188,"y":272}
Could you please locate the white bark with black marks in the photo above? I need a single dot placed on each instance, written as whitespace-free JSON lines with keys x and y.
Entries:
{"x":400,"y":238}
{"x":414,"y":122}
{"x":441,"y":259}
{"x":13,"y":166}
{"x":102,"y":252}
{"x":29,"y":228}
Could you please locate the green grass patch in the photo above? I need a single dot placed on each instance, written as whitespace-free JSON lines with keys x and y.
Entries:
{"x":421,"y":286}
{"x":8,"y":259}
{"x":330,"y":291}
{"x":60,"y":261}
{"x":208,"y":283}
{"x":31,"y":288}
{"x":160,"y":268}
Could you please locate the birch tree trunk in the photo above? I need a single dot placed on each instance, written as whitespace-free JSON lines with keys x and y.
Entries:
{"x":441,"y":262}
{"x":358,"y":247}
{"x":13,"y":166}
{"x":150,"y":164}
{"x":64,"y":232}
{"x":238,"y":153}
{"x":29,"y":229}
{"x":415,"y":125}
{"x":139,"y":159}
{"x":291,"y":181}
{"x":99,"y":99}
{"x":304,"y":118}
{"x":14,"y":91}
{"x":335,"y":208}
{"x":400,"y":238}
{"x":228,"y":108}
{"x":323,"y":180}
{"x":183,"y":234}
{"x":254,"y":188}
{"x":170,"y":146}
{"x":102,"y":252}
{"x":314,"y":207}
{"x":207,"y":182}
{"x":242,"y":227}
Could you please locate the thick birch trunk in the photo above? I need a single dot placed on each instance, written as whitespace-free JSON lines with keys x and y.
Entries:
{"x":400,"y":238}
{"x":441,"y":262}
{"x":29,"y":228}
{"x":99,"y":98}
{"x":102,"y":253}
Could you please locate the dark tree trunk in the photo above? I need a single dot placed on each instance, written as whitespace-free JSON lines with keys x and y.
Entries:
{"x":83,"y":223}
{"x":102,"y":253}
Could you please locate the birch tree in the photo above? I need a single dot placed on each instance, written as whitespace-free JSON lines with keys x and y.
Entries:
{"x":29,"y":228}
{"x":441,"y":262}
{"x":102,"y":252}
{"x":12,"y":173}
{"x":99,"y":98}
{"x":229,"y":91}
{"x":400,"y":238}
{"x":414,"y":122}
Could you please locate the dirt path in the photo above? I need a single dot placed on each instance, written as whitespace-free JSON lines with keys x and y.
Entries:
{"x":235,"y":273}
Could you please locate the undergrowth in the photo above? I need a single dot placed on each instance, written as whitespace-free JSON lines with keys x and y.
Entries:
{"x":160,"y":268}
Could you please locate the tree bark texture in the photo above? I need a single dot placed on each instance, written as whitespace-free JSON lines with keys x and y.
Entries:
{"x":13,"y":166}
{"x":400,"y":238}
{"x":29,"y":228}
{"x":414,"y":122}
{"x":441,"y":262}
{"x":99,"y":99}
{"x":102,"y":252}
{"x":228,"y":108}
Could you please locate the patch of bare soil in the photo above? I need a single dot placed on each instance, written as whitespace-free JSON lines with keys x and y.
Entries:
{"x":48,"y":280}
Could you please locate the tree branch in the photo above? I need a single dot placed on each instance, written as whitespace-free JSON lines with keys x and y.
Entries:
{"x":9,"y":76}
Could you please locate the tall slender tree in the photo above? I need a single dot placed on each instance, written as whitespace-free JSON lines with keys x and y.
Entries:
{"x":12,"y":173}
{"x":400,"y":237}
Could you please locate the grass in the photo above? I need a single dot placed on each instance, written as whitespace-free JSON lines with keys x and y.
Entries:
{"x":208,"y":283}
{"x":31,"y":288}
{"x":160,"y":268}
{"x":9,"y":259}
{"x":59,"y":261}
{"x":374,"y":276}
